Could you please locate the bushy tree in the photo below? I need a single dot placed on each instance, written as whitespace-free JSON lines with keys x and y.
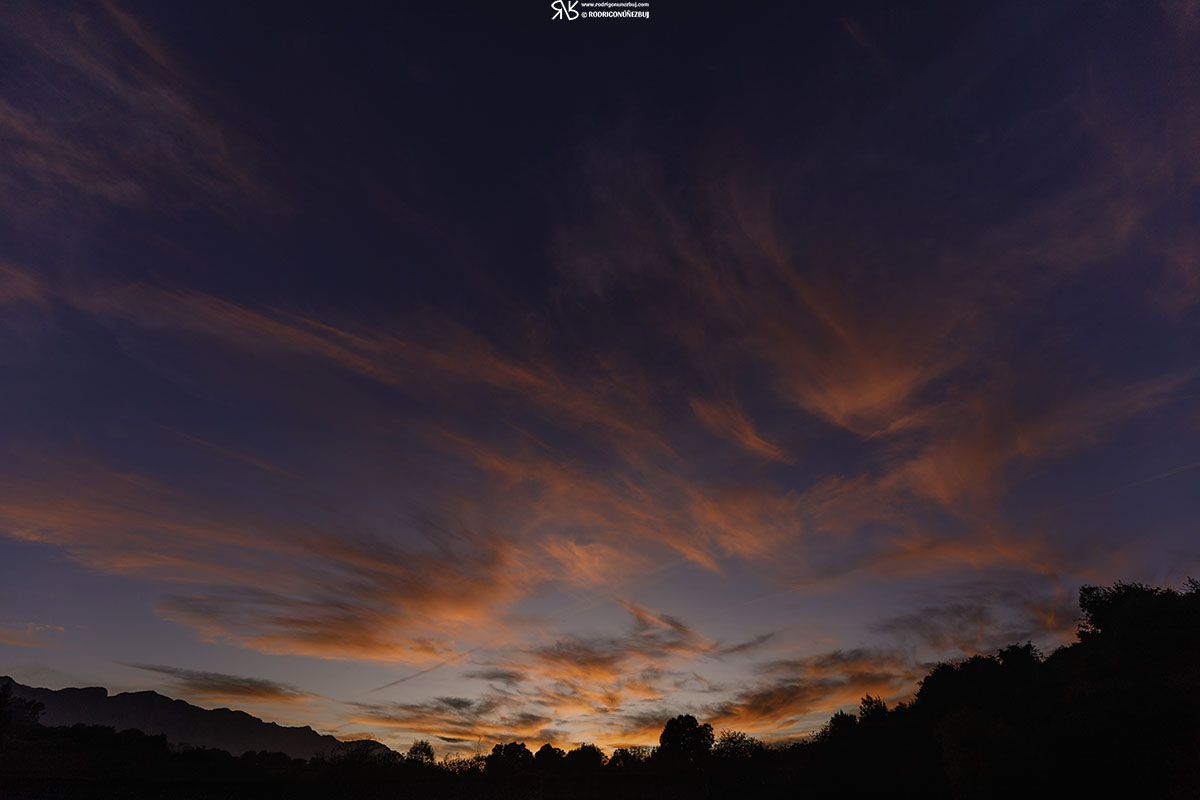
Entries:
{"x":841,"y":725}
{"x":628,"y":759}
{"x":549,"y":758}
{"x":871,"y":710}
{"x":16,"y":712}
{"x":1019,"y":656}
{"x":585,"y":758}
{"x":1115,"y":609}
{"x":510,"y":759}
{"x":685,"y":741}
{"x":736,"y":745}
{"x":421,"y":752}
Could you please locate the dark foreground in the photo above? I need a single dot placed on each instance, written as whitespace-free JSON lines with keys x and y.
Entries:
{"x":1115,"y":714}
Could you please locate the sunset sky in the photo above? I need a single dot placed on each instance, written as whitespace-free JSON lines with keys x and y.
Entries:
{"x":448,"y":371}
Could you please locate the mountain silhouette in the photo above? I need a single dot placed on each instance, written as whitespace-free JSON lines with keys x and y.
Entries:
{"x":182,"y":723}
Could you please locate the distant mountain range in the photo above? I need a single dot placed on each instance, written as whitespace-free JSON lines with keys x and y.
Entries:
{"x":182,"y":723}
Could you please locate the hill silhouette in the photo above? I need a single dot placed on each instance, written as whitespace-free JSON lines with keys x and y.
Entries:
{"x":182,"y":723}
{"x":1116,"y":714}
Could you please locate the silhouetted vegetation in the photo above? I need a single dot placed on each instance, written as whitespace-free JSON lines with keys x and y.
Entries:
{"x":1115,"y":714}
{"x":684,"y":744}
{"x":16,"y":714}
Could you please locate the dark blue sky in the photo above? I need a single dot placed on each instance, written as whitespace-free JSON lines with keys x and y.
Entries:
{"x":575,"y":374}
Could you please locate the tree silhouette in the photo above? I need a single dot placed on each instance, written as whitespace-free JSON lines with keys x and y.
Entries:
{"x":871,"y":711}
{"x":16,"y":712}
{"x":587,"y":758}
{"x":1019,"y":656}
{"x":736,"y":745}
{"x":549,"y":758}
{"x":628,"y":759}
{"x":509,"y":759}
{"x":840,"y":726}
{"x":420,"y":752}
{"x":684,"y":741}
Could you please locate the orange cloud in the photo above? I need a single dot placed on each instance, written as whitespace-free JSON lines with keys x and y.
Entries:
{"x":571,"y":684}
{"x":790,"y":697}
{"x":727,"y":420}
{"x":589,"y":563}
{"x":459,"y":720}
{"x":967,"y":461}
{"x":266,"y":581}
{"x":443,"y":361}
{"x":25,"y":635}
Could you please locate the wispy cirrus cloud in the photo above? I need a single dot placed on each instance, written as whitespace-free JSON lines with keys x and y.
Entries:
{"x":984,"y":437}
{"x":943,"y":452}
{"x":532,"y":512}
{"x":218,"y":687}
{"x":275,"y":583}
{"x":728,"y":420}
{"x":96,"y":108}
{"x":460,"y":720}
{"x":27,"y":634}
{"x":797,"y":695}
{"x":567,"y":685}
{"x":18,"y":286}
{"x":497,"y":675}
{"x":787,"y":698}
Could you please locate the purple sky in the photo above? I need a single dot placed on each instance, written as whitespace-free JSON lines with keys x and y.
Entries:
{"x":471,"y":375}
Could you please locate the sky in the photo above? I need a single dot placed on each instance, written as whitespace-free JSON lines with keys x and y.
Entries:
{"x":453,"y":371}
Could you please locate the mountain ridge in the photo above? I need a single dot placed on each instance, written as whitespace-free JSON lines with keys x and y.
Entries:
{"x":183,"y":724}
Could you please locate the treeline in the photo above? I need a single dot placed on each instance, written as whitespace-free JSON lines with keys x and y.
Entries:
{"x":1115,"y":714}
